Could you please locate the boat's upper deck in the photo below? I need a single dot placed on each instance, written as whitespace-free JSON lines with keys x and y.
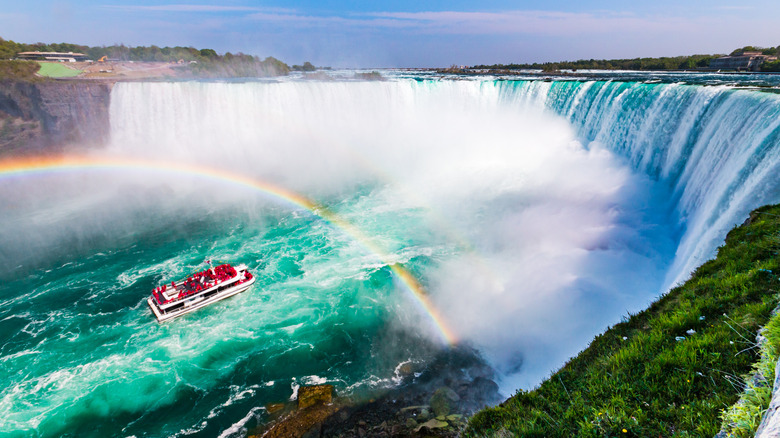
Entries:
{"x":200,"y":282}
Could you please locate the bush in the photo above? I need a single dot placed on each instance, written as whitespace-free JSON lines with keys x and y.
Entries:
{"x":18,"y":69}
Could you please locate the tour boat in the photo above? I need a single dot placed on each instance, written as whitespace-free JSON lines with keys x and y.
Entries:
{"x":198,"y":290}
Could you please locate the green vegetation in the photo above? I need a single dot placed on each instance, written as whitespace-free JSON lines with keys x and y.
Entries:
{"x":369,"y":76}
{"x":692,"y":62}
{"x":307,"y":66}
{"x":18,"y":69}
{"x":238,"y":65}
{"x":770,"y":66}
{"x":742,"y":419}
{"x":57,"y":70}
{"x":771,"y":51}
{"x":674,"y":368}
{"x":665,"y":63}
{"x":203,"y":62}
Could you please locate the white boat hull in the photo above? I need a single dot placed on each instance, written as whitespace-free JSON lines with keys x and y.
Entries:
{"x":198,"y":301}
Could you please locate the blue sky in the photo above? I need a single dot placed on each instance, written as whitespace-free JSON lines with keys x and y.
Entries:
{"x":405,"y":33}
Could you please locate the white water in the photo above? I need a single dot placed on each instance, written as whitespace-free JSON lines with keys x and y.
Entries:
{"x":535,"y":213}
{"x":539,"y":242}
{"x":716,"y":148}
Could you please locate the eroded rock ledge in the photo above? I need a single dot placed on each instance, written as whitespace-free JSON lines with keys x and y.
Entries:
{"x":433,"y":401}
{"x":46,"y":116}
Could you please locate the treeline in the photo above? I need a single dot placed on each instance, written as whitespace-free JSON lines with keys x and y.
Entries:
{"x":692,"y":62}
{"x":201,"y":62}
{"x":664,"y":63}
{"x":770,"y":51}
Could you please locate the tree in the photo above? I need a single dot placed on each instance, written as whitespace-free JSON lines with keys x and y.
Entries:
{"x":208,"y":53}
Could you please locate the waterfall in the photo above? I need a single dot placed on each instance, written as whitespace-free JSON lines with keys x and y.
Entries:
{"x":717,"y":148}
{"x":523,"y":216}
{"x":528,"y":175}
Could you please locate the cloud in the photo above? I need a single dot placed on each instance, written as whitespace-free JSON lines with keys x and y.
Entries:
{"x":517,"y":22}
{"x":192,"y":8}
{"x":735,"y":8}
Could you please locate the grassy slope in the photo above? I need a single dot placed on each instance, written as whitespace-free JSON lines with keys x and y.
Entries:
{"x":57,"y":70}
{"x":650,"y":384}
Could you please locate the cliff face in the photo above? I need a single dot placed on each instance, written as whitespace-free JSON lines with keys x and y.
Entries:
{"x":47,"y":116}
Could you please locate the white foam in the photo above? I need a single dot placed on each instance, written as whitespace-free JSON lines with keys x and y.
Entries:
{"x":237,"y":428}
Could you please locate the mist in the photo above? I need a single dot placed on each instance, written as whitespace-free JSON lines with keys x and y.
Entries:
{"x":528,"y":242}
{"x":537,"y":242}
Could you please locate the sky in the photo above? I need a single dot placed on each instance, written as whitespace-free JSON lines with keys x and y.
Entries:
{"x":404,"y":33}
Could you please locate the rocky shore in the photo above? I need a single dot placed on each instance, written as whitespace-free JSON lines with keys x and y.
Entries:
{"x":433,"y":401}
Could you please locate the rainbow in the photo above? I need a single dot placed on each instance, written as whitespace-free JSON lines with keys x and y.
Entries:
{"x":36,"y":165}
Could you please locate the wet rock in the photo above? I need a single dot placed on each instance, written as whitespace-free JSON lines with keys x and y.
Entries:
{"x":443,"y":400}
{"x":300,"y":423}
{"x":432,"y":424}
{"x":458,"y":378}
{"x":406,"y":369}
{"x":273,"y":408}
{"x":479,"y":393}
{"x":313,"y":432}
{"x":312,"y":395}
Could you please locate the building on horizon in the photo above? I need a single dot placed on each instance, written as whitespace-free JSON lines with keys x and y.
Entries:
{"x":748,"y":61}
{"x":53,"y":56}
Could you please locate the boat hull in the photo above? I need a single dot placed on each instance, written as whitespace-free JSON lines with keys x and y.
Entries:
{"x":198,"y":302}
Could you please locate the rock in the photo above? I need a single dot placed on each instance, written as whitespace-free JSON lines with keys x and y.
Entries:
{"x":312,"y":395}
{"x":432,"y":424}
{"x":313,"y":432}
{"x":770,"y":424}
{"x":443,"y":400}
{"x":55,"y":113}
{"x":454,"y":417}
{"x":406,"y":369}
{"x":300,"y":423}
{"x":272,"y":408}
{"x":413,"y":408}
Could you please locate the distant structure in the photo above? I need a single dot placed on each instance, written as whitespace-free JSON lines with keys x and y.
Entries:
{"x":749,"y":61}
{"x":53,"y":56}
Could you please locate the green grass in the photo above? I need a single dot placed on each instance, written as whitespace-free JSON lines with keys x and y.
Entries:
{"x":743,"y":418}
{"x":57,"y":70}
{"x":637,"y":380}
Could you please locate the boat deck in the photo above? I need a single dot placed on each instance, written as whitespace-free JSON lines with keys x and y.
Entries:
{"x":199,"y":289}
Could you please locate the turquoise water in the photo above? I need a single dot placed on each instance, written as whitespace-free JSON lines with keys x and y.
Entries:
{"x":534,"y":213}
{"x":82,"y":354}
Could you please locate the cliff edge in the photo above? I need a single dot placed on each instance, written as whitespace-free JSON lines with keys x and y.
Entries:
{"x":46,"y":116}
